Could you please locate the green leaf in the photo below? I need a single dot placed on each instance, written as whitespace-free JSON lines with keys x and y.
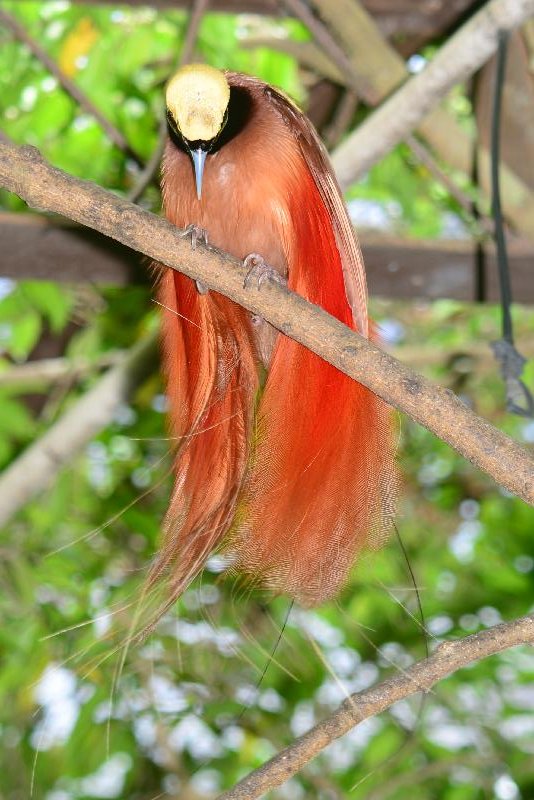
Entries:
{"x":53,"y":301}
{"x":15,"y":419}
{"x":24,"y":335}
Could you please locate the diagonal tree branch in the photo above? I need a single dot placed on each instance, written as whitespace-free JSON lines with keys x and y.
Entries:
{"x":345,"y":71}
{"x":446,"y":659}
{"x":199,"y":8}
{"x":23,"y":171}
{"x":373,"y":71}
{"x":457,"y":60}
{"x":35,"y":470}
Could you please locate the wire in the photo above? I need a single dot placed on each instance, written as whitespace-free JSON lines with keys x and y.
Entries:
{"x":519,"y":400}
{"x":500,"y":241}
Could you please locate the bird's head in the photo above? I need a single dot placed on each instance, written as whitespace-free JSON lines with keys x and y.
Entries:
{"x":197,"y":101}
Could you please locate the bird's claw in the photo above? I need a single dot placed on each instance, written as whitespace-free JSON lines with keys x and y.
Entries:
{"x":258,"y":271}
{"x":197,"y":234}
{"x":201,"y":287}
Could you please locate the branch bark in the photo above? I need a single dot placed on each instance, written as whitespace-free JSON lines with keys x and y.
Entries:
{"x":447,"y":658}
{"x":23,"y":171}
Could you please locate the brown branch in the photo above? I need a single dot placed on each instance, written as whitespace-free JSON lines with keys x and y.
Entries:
{"x":70,"y":87}
{"x":447,"y":658}
{"x":44,"y":248}
{"x":23,"y":171}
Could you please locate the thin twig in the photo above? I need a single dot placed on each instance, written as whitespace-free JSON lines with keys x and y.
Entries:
{"x":72,"y":88}
{"x":426,"y":158}
{"x":446,"y":659}
{"x":49,"y":370}
{"x":146,"y":176}
{"x":199,"y":9}
{"x":428,"y":771}
{"x":25,"y":172}
{"x":343,"y":116}
{"x":324,"y":784}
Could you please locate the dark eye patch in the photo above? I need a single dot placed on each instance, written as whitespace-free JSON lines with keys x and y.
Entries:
{"x":237,"y":115}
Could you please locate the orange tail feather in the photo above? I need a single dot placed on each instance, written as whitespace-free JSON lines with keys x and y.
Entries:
{"x":322,"y":477}
{"x":211,"y":381}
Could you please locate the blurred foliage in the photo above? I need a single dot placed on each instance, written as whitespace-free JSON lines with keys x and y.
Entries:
{"x":180,"y":714}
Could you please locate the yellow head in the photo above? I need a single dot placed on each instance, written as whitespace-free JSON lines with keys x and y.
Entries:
{"x":197,"y":98}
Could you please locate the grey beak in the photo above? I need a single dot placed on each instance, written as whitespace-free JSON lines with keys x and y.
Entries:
{"x":199,"y":159}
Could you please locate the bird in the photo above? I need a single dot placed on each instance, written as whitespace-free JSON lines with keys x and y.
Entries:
{"x":284,"y":465}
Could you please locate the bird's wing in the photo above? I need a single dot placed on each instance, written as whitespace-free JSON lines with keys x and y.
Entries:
{"x":316,"y":157}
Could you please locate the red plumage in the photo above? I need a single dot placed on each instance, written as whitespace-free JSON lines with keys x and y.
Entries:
{"x":291,"y":479}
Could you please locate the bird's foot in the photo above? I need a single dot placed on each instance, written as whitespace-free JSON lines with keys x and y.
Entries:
{"x":197,"y":234}
{"x":258,"y":271}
